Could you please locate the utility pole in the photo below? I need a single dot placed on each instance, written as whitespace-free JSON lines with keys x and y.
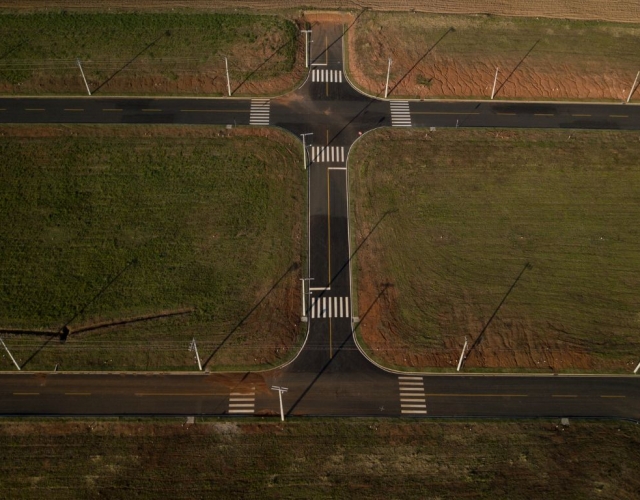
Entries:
{"x":304,"y":147}
{"x":306,"y":47}
{"x":634,"y":371}
{"x":194,"y":347}
{"x":633,"y":87}
{"x":386,"y":88}
{"x":280,"y":391}
{"x":83,"y":77}
{"x":464,"y":348}
{"x":304,"y":307}
{"x":9,"y":353}
{"x":226,"y":65}
{"x":495,"y":80}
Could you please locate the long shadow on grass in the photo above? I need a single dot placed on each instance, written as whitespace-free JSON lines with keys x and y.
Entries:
{"x":349,"y":338}
{"x":166,"y":33}
{"x":450,"y":30}
{"x":46,"y":342}
{"x":291,"y":268}
{"x":516,"y":67}
{"x":255,"y":70}
{"x":484,"y":329}
{"x":12,"y":49}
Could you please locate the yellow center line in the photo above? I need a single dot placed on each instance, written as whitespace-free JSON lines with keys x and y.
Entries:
{"x":543,"y":114}
{"x":77,"y":394}
{"x":613,"y":396}
{"x":73,"y":109}
{"x":564,"y":395}
{"x":34,"y":109}
{"x":26,"y":393}
{"x":328,"y":230}
{"x":215,"y":110}
{"x":443,"y":113}
{"x":580,"y":115}
{"x":330,"y":338}
{"x":477,"y":395}
{"x":618,"y":116}
{"x":111,"y":109}
{"x":3,"y":109}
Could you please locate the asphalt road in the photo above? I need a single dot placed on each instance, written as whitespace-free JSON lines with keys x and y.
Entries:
{"x":330,"y":376}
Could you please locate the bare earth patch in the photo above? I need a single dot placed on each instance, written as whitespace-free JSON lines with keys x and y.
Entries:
{"x":457,"y":56}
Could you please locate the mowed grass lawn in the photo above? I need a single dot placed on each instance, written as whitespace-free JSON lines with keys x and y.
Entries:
{"x":130,"y":53}
{"x":100,"y":225}
{"x":338,"y":458}
{"x":469,"y":209}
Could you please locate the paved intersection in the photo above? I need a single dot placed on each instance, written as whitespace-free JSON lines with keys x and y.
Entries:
{"x":330,"y":375}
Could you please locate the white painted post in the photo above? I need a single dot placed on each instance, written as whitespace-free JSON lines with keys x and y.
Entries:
{"x":194,"y":347}
{"x":495,"y":80}
{"x":637,"y":368}
{"x":82,"y":73}
{"x":226,"y":65}
{"x":10,"y":355}
{"x":306,"y":47}
{"x":464,"y":348}
{"x":304,"y":306}
{"x":280,"y":391}
{"x":386,"y":89}
{"x":633,"y":87}
{"x":304,"y":147}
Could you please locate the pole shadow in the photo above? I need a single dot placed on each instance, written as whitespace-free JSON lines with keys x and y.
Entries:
{"x":347,"y":29}
{"x":128,"y":63}
{"x":255,"y":70}
{"x":11,"y":50}
{"x":516,"y":68}
{"x":129,"y":321}
{"x":450,"y":30}
{"x":385,"y":286}
{"x":291,"y":268}
{"x":476,"y":342}
{"x":37,"y":351}
{"x":64,"y":330}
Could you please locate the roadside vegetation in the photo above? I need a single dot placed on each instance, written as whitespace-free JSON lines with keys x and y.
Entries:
{"x":457,"y":56}
{"x":342,"y":458}
{"x":152,"y":53}
{"x":132,"y":241}
{"x":524,"y":242}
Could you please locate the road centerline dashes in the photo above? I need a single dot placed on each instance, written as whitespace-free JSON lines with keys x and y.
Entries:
{"x":412,"y":396}
{"x":260,"y":110}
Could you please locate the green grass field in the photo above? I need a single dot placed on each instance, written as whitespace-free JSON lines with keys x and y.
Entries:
{"x":146,"y":53}
{"x":319,"y":459}
{"x":104,"y":224}
{"x":471,"y":209}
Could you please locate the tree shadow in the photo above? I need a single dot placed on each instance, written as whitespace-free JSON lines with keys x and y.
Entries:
{"x":385,"y":286}
{"x":128,"y":63}
{"x":476,"y":342}
{"x":294,"y":266}
{"x":515,"y":68}
{"x":450,"y":30}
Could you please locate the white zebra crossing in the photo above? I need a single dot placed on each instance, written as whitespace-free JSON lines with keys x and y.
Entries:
{"x":412,"y":398}
{"x":330,"y":307}
{"x":327,"y":154}
{"x":242,"y":402}
{"x":260,"y":109}
{"x":326,"y":75}
{"x":400,"y":114}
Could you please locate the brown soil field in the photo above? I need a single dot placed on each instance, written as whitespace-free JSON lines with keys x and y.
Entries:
{"x":340,"y":458}
{"x":457,"y":56}
{"x":609,"y":10}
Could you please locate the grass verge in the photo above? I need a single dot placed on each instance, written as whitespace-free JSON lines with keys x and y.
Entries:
{"x":137,"y":239}
{"x":159,"y":53}
{"x":320,"y":459}
{"x":525,"y":242}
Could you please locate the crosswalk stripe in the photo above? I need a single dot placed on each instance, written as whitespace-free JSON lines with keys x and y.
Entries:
{"x":401,"y":377}
{"x":259,"y":112}
{"x":423,"y":412}
{"x":403,"y":389}
{"x":400,"y":114}
{"x":326,"y":76}
{"x":327,"y":154}
{"x":411,"y":382}
{"x":329,"y":307}
{"x":412,"y":397}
